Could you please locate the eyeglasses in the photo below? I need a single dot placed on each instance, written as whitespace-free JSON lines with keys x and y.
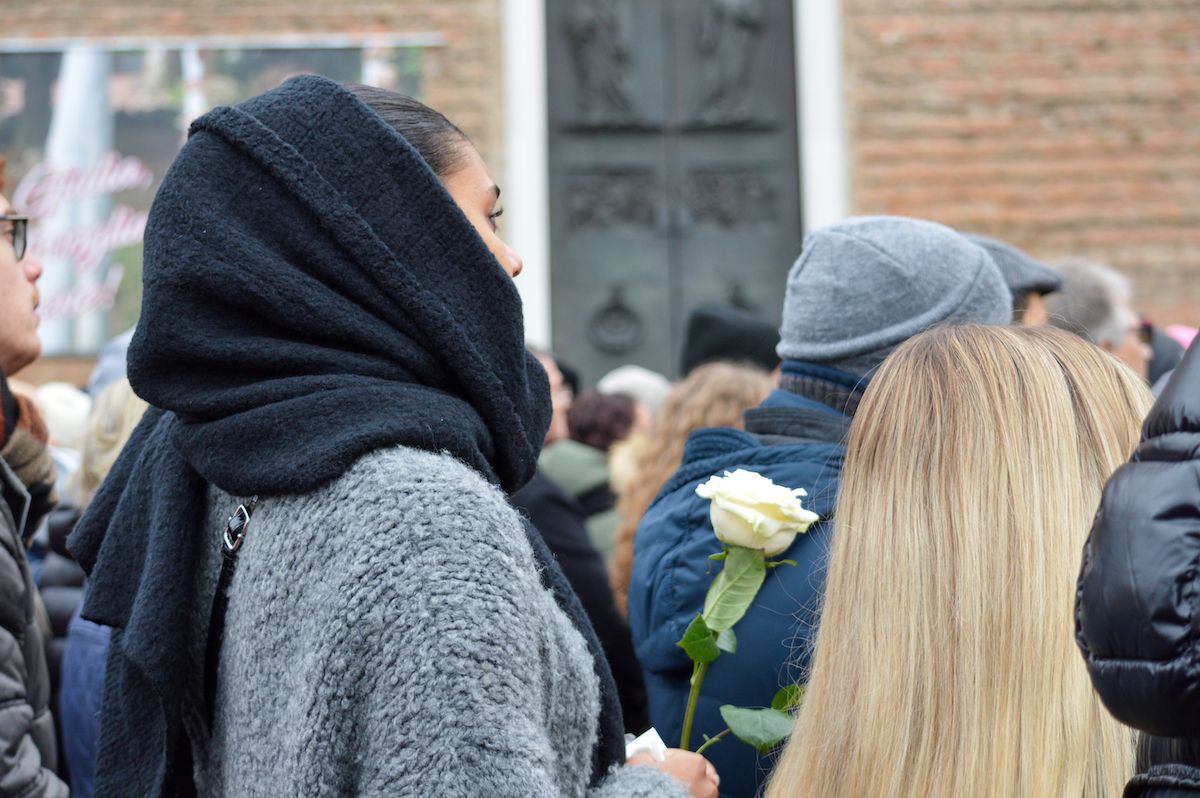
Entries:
{"x":20,"y":230}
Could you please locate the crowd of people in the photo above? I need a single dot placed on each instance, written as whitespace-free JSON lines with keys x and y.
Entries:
{"x":323,"y":524}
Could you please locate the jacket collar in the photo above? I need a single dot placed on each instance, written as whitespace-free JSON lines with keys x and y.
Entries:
{"x":813,"y":403}
{"x":15,"y":496}
{"x":576,"y":467}
{"x":797,"y":424}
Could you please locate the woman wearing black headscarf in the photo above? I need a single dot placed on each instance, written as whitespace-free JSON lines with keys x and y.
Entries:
{"x":332,"y":346}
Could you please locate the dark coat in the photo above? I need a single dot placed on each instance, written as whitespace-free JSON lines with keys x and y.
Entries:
{"x":60,"y":584}
{"x":1169,"y":781}
{"x":1137,"y":618}
{"x":560,"y":521}
{"x":794,"y":442}
{"x":1168,"y":768}
{"x":76,"y":653}
{"x":80,"y":698}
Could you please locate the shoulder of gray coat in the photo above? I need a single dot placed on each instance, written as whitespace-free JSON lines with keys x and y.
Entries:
{"x":405,"y":499}
{"x":432,"y":473}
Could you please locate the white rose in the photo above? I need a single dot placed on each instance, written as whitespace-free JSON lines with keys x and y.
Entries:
{"x":750,"y":510}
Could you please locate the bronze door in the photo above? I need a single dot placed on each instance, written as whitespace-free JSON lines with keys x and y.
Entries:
{"x":674,"y":175}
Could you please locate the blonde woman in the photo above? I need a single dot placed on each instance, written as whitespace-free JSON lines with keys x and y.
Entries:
{"x":945,"y":662}
{"x":713,"y":395}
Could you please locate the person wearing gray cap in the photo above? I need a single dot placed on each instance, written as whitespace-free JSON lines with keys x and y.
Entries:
{"x":1027,"y":279}
{"x":859,"y":289}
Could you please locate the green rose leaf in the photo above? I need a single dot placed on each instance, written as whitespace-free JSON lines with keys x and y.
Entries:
{"x":727,"y":641}
{"x":789,"y":697}
{"x":699,"y":642}
{"x":762,"y":729}
{"x":734,"y":589}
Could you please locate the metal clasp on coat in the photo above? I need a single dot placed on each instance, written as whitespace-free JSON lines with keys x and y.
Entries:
{"x":235,"y":531}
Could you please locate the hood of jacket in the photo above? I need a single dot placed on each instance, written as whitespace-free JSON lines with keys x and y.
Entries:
{"x":575,"y":467}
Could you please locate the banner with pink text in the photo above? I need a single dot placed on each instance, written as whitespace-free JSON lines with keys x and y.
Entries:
{"x":89,"y":127}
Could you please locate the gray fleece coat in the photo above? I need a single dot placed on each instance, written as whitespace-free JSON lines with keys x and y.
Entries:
{"x":388,"y":634}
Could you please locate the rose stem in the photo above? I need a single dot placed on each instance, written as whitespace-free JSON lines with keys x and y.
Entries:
{"x":699,"y":670}
{"x":713,"y":741}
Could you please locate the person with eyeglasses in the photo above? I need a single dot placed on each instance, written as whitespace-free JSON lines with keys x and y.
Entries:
{"x":28,"y":752}
{"x":19,"y":273}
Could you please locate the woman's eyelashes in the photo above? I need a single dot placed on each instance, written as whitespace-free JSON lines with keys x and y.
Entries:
{"x":494,"y":215}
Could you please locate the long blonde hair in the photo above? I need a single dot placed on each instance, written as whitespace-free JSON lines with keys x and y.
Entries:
{"x":115,"y":413}
{"x":945,"y":662}
{"x":713,"y":395}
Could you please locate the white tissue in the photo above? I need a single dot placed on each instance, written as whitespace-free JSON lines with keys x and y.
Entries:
{"x":649,"y":743}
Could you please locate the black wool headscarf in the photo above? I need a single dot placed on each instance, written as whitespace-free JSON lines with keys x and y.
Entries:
{"x":311,"y":293}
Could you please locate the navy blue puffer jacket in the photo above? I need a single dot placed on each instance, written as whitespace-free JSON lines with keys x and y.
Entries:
{"x":1138,"y":602}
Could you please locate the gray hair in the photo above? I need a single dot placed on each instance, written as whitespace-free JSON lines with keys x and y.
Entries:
{"x":1095,"y":302}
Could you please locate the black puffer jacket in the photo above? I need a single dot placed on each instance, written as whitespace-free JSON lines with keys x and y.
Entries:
{"x":27,"y":748}
{"x":1138,"y":603}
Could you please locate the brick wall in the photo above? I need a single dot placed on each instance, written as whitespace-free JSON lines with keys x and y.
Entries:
{"x":462,"y":78}
{"x":1063,"y":126}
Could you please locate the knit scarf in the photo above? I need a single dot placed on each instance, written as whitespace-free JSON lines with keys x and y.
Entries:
{"x":311,"y":293}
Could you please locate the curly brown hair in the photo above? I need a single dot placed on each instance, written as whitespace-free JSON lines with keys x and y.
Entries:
{"x":713,"y":395}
